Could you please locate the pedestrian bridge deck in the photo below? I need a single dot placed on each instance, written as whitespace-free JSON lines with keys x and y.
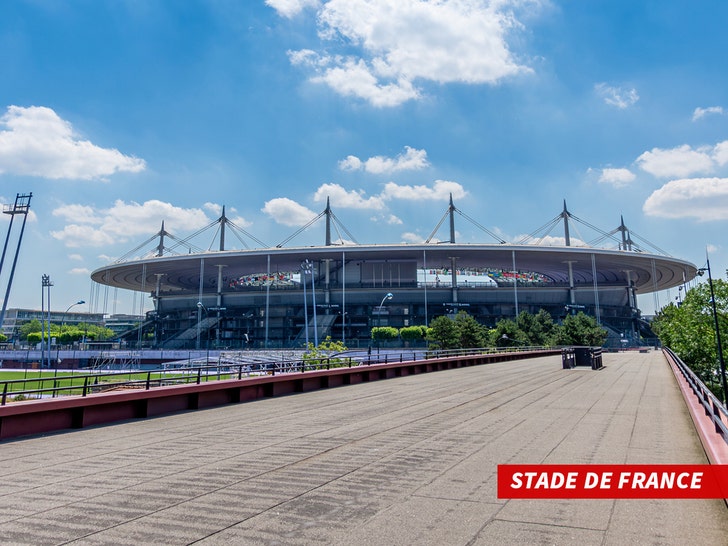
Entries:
{"x":410,"y":460}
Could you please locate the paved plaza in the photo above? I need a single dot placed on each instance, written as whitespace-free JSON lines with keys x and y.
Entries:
{"x":405,"y":461}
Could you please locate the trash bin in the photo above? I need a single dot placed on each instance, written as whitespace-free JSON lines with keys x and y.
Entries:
{"x":567,"y":358}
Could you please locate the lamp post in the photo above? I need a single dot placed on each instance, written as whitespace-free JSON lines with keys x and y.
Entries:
{"x":717,"y":329}
{"x":63,"y":316}
{"x":387,"y":296}
{"x":200,"y":307}
{"x":307,"y":267}
{"x":46,"y":284}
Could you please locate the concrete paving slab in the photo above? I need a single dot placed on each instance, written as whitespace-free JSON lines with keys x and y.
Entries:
{"x":410,"y":460}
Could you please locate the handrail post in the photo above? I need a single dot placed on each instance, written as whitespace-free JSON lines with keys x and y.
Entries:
{"x":5,"y":393}
{"x":149,"y":379}
{"x":85,"y":385}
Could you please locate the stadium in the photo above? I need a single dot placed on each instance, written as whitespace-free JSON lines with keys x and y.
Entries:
{"x":284,"y":297}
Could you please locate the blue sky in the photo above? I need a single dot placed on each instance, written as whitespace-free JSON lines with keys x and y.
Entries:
{"x":117,"y":115}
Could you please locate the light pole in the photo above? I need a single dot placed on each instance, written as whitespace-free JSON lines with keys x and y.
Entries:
{"x":307,"y":267}
{"x":63,"y":316}
{"x":200,"y":307}
{"x":46,"y":284}
{"x":717,"y":330}
{"x":387,"y":296}
{"x":304,"y":268}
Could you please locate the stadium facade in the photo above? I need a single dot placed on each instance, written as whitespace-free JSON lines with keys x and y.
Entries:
{"x":284,"y":296}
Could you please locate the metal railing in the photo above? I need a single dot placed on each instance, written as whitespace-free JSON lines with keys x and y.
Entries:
{"x":41,"y":384}
{"x":712,"y":406}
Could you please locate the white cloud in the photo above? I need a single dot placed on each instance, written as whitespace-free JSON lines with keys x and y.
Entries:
{"x":123,"y":221}
{"x":347,"y":199}
{"x":682,"y":161}
{"x":380,"y":48}
{"x":75,"y":257}
{"x":700,"y":113}
{"x":411,"y":160}
{"x":80,"y":271}
{"x":410,"y":237}
{"x":617,"y":96}
{"x":617,"y":177}
{"x":351,"y":163}
{"x":287,"y":212}
{"x":291,"y":8}
{"x":37,"y":142}
{"x":440,"y":191}
{"x":704,"y":199}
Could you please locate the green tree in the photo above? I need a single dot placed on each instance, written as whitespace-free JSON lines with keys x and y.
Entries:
{"x":538,"y":329}
{"x":325,"y":353}
{"x":384,"y":333}
{"x":689,"y":328}
{"x":471,"y":333}
{"x":507,"y":334}
{"x":413,"y":333}
{"x":443,"y":333}
{"x":580,"y":329}
{"x":28,"y":327}
{"x":3,"y":338}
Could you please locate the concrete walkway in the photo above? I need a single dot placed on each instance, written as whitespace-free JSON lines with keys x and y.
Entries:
{"x":410,"y":460}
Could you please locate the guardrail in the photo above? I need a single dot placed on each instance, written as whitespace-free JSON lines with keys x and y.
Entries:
{"x":714,"y":409}
{"x":72,"y":383}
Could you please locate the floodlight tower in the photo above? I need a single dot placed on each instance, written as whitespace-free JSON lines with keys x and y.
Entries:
{"x":21,"y":206}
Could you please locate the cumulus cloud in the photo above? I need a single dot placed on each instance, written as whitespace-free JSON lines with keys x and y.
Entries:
{"x":347,"y":199}
{"x":440,"y":191}
{"x":700,"y":113}
{"x":35,"y":141}
{"x":79,"y":271}
{"x":617,"y":177}
{"x":287,"y":212}
{"x":410,"y":237}
{"x":684,"y":160}
{"x":704,"y":199}
{"x":91,"y":226}
{"x":411,"y":160}
{"x":617,"y":96}
{"x":377,"y":50}
{"x":291,"y":8}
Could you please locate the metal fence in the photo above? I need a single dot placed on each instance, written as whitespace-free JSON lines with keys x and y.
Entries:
{"x":53,"y":383}
{"x":712,"y":406}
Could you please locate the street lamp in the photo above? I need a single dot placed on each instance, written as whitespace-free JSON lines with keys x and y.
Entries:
{"x":387,"y":296}
{"x":717,"y":329}
{"x":63,"y":317}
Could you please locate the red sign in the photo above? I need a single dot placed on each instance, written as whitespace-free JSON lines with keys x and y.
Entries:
{"x":613,"y":481}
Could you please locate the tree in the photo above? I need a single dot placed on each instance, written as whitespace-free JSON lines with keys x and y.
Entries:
{"x":470,"y":332}
{"x":384,"y":333}
{"x":689,"y":328}
{"x":28,"y":327}
{"x":580,"y":329}
{"x":443,"y":333}
{"x":538,"y":329}
{"x":412,"y":333}
{"x":324,"y":353}
{"x":507,"y":334}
